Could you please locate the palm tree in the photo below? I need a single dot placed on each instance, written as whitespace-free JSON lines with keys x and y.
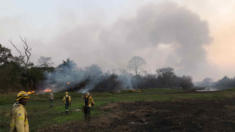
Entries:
{"x":67,"y":66}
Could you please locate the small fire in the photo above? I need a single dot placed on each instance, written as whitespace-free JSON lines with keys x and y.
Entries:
{"x":30,"y":92}
{"x":68,"y":82}
{"x":47,"y":90}
{"x":36,"y":94}
{"x":133,"y":89}
{"x":139,"y":91}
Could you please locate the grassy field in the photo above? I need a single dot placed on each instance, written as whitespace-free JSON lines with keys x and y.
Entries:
{"x":41,"y":116}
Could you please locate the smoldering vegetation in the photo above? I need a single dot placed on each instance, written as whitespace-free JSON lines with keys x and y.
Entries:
{"x":68,"y":77}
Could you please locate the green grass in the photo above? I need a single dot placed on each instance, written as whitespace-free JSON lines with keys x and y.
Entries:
{"x":41,"y":116}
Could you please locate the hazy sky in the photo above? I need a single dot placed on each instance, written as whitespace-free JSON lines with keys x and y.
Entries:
{"x":195,"y":37}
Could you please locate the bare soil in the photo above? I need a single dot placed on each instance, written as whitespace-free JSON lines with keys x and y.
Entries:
{"x":181,"y":116}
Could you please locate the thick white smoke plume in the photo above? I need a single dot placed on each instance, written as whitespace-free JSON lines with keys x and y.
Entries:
{"x":111,"y":46}
{"x":68,"y":76}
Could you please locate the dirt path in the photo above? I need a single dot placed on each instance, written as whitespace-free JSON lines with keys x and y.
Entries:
{"x":183,"y":116}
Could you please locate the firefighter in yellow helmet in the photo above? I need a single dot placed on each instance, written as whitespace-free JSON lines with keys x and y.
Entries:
{"x":88,"y":102}
{"x":67,"y":101}
{"x":19,"y":120}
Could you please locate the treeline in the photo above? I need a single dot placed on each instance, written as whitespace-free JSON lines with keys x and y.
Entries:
{"x":164,"y":78}
{"x":18,"y":73}
{"x":14,"y":77}
{"x":225,"y":81}
{"x":68,"y":76}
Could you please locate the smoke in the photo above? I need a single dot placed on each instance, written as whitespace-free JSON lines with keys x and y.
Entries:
{"x":167,"y":23}
{"x":68,"y":76}
{"x":111,"y":46}
{"x":164,"y":34}
{"x":125,"y":78}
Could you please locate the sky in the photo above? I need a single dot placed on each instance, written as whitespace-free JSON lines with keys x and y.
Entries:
{"x":195,"y":37}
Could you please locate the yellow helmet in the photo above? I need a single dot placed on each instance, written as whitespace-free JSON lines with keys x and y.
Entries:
{"x":66,"y":93}
{"x":21,"y":95}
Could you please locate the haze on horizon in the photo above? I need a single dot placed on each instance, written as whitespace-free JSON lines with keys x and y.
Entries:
{"x":193,"y":37}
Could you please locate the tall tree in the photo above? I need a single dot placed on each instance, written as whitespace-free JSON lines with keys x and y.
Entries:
{"x":27,"y":53}
{"x":185,"y":82}
{"x":45,"y":62}
{"x":225,"y":81}
{"x":123,"y":72}
{"x":135,"y":63}
{"x":68,"y":64}
{"x":206,"y":82}
{"x":165,"y":72}
{"x":166,"y":76}
{"x":67,"y":67}
{"x":23,"y":59}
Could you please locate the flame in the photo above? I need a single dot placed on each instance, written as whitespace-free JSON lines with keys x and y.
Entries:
{"x":47,"y":90}
{"x":139,"y":91}
{"x":133,"y":89}
{"x":30,"y":92}
{"x":68,"y":82}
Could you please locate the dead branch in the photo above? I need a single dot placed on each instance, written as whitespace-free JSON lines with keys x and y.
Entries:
{"x":26,"y":51}
{"x":15,"y":47}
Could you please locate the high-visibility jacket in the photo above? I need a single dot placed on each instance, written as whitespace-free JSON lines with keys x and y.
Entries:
{"x":90,"y":100}
{"x":19,"y":120}
{"x":69,"y":99}
{"x":51,"y":96}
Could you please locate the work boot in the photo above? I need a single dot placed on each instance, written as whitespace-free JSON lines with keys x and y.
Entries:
{"x":67,"y":112}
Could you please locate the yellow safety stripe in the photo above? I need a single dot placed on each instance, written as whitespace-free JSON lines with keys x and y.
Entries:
{"x":20,"y":118}
{"x":13,"y":124}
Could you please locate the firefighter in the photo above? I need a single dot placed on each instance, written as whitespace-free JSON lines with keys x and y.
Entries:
{"x":51,"y":97}
{"x":19,"y":120}
{"x":87,"y":106}
{"x":67,"y":101}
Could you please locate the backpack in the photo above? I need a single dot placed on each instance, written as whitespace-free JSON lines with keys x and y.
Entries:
{"x":87,"y":101}
{"x":67,"y":99}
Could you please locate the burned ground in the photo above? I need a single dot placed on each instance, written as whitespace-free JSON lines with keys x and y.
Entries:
{"x":147,"y":116}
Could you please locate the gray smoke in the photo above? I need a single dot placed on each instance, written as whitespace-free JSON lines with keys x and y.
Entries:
{"x":167,"y":23}
{"x":111,"y":46}
{"x":69,"y":76}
